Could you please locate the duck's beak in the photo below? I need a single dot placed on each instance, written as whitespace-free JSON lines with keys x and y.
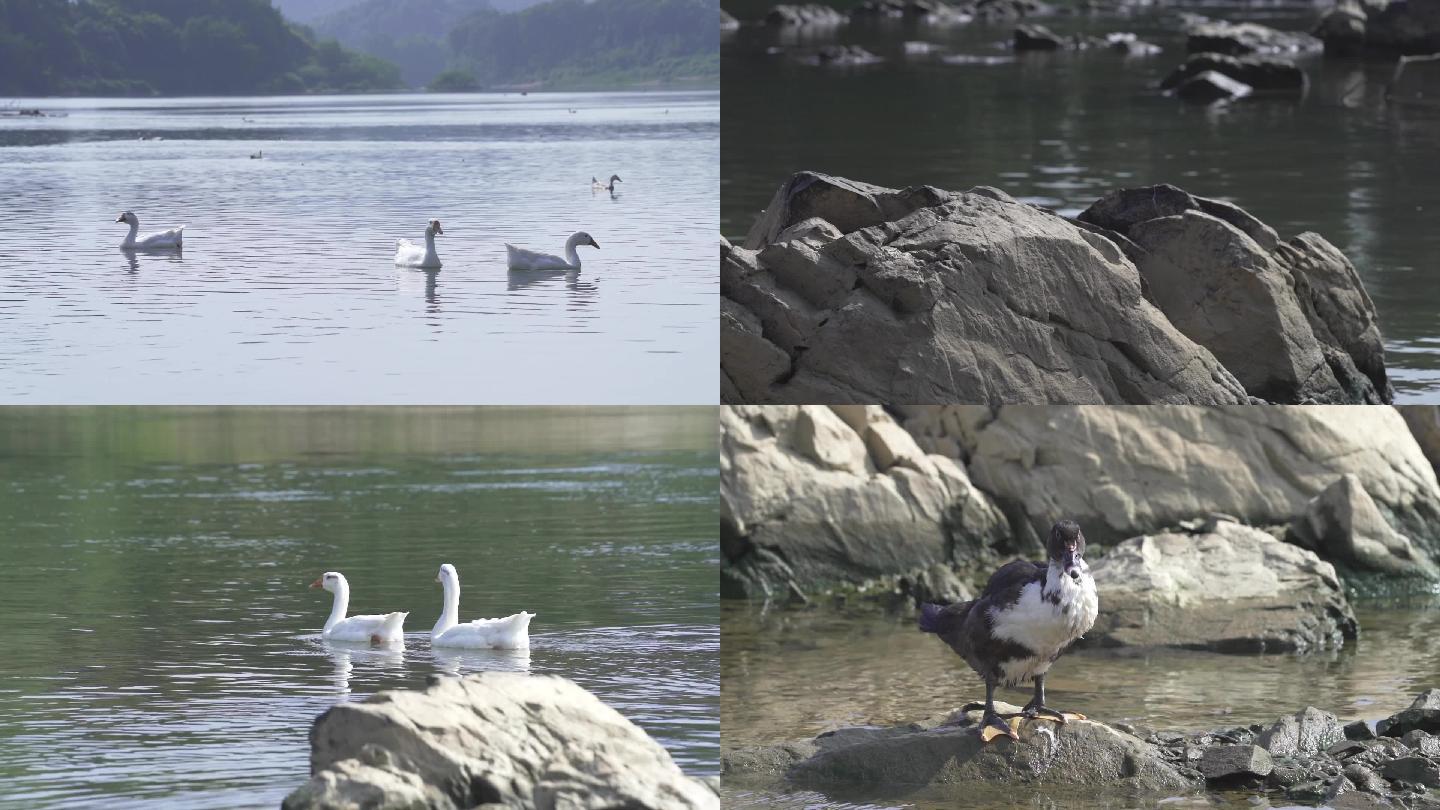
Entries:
{"x":594,"y":244}
{"x":318,"y":583}
{"x":120,"y":218}
{"x":438,"y":581}
{"x":439,"y":230}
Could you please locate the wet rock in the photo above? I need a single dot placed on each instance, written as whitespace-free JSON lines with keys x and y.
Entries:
{"x":1422,"y":742}
{"x":1423,"y":714}
{"x":816,"y":496}
{"x":1263,"y":74}
{"x":841,"y":56}
{"x":1359,"y":730}
{"x":518,"y":740}
{"x":1210,"y":86}
{"x":1230,"y":763}
{"x":1081,"y":752}
{"x":1128,"y":44}
{"x":937,"y":583}
{"x":1294,"y":324}
{"x":1414,"y":770}
{"x":1354,"y":27}
{"x":998,"y":10}
{"x":1036,"y":38}
{"x":804,"y":15}
{"x":930,"y":12}
{"x":1307,"y":733}
{"x":1343,"y":523}
{"x":728,"y":23}
{"x":1234,"y":590}
{"x":1416,"y":81}
{"x":1365,"y":779}
{"x":1424,"y":422}
{"x":1240,"y":39}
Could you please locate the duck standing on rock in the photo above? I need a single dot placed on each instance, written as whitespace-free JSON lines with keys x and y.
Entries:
{"x":1028,"y":615}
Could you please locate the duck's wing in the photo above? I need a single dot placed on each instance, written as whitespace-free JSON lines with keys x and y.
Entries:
{"x":509,"y":633}
{"x":383,"y":628}
{"x":407,"y":252}
{"x":1011,"y":577}
{"x":167,"y":238}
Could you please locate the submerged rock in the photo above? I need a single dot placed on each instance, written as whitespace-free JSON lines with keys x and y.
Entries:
{"x":1423,"y":715}
{"x":1209,"y":86}
{"x":728,"y":23}
{"x":1263,"y":74}
{"x":1307,"y":733}
{"x":1037,"y":38}
{"x":925,"y":295}
{"x":1234,"y":589}
{"x":840,"y":56}
{"x":1081,"y":752}
{"x":515,"y":740}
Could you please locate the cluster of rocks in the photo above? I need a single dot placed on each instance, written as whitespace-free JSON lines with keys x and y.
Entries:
{"x":931,"y":12}
{"x":1307,"y":757}
{"x":1230,"y":61}
{"x":1040,"y":38}
{"x":849,"y":292}
{"x":491,"y":740}
{"x":1387,"y":27}
{"x":1226,"y":529}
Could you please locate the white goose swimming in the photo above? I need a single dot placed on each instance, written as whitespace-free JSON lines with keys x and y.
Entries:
{"x":386,"y":629}
{"x":522,"y":259}
{"x":596,"y":185}
{"x":160,"y":240}
{"x":509,"y":633}
{"x":409,"y":254}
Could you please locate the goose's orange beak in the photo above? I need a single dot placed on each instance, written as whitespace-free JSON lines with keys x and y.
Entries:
{"x":317,"y":583}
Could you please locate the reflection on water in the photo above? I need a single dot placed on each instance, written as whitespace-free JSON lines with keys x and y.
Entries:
{"x":1059,"y":129}
{"x":287,"y":288}
{"x":162,"y":644}
{"x":879,"y":670}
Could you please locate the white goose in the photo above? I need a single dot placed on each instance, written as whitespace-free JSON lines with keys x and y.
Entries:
{"x":596,"y":185}
{"x":509,"y":633}
{"x":386,"y":629}
{"x":522,"y":259}
{"x":160,"y":240}
{"x":409,"y":254}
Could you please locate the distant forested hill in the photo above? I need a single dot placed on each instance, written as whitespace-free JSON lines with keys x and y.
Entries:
{"x":172,"y":47}
{"x":473,"y":44}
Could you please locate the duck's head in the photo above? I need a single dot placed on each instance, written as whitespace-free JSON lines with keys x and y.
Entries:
{"x":447,"y":574}
{"x":127,"y":217}
{"x":434,"y":228}
{"x":615,"y":178}
{"x":1067,"y":548}
{"x":330,"y":580}
{"x":582,"y":238}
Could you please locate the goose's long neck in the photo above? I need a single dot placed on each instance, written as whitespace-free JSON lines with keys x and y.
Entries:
{"x":431,"y":257}
{"x":134,"y":229}
{"x":571,"y":256}
{"x":450,"y":616}
{"x":342,"y":604}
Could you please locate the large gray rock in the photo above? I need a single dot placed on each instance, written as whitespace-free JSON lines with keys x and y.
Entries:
{"x":518,"y":740}
{"x":1290,"y":319}
{"x":1209,"y":86}
{"x":936,"y":297}
{"x":804,"y":15}
{"x":813,"y":496}
{"x":1263,"y":74}
{"x":1424,"y":422}
{"x":1122,"y":472}
{"x":1423,"y":715}
{"x":1224,"y":763}
{"x":1233,"y":589}
{"x":1343,"y":523}
{"x":1081,"y":753}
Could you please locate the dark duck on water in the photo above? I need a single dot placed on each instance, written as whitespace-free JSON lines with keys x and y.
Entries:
{"x":1028,"y":615}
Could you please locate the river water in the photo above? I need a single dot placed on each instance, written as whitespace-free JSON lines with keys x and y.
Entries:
{"x":1061,"y":129}
{"x":287,"y":292}
{"x":791,"y":675}
{"x":162,"y":647}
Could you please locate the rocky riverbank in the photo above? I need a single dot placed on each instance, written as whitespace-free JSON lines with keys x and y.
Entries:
{"x":491,"y":740}
{"x":1309,"y":757}
{"x":848,"y":292}
{"x":1284,"y":509}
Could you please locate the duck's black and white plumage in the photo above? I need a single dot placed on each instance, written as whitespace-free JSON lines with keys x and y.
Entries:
{"x":1028,"y":615}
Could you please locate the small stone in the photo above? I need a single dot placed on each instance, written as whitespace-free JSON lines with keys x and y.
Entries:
{"x":1417,"y":770}
{"x":1235,"y":762}
{"x":1423,"y":742}
{"x":1359,"y":730}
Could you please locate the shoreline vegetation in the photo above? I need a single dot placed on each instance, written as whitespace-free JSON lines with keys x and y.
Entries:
{"x":154,"y":48}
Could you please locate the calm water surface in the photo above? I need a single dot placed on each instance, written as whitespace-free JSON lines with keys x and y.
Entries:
{"x":1061,"y":129}
{"x":162,"y":648}
{"x":793,"y":674}
{"x":287,"y":291}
